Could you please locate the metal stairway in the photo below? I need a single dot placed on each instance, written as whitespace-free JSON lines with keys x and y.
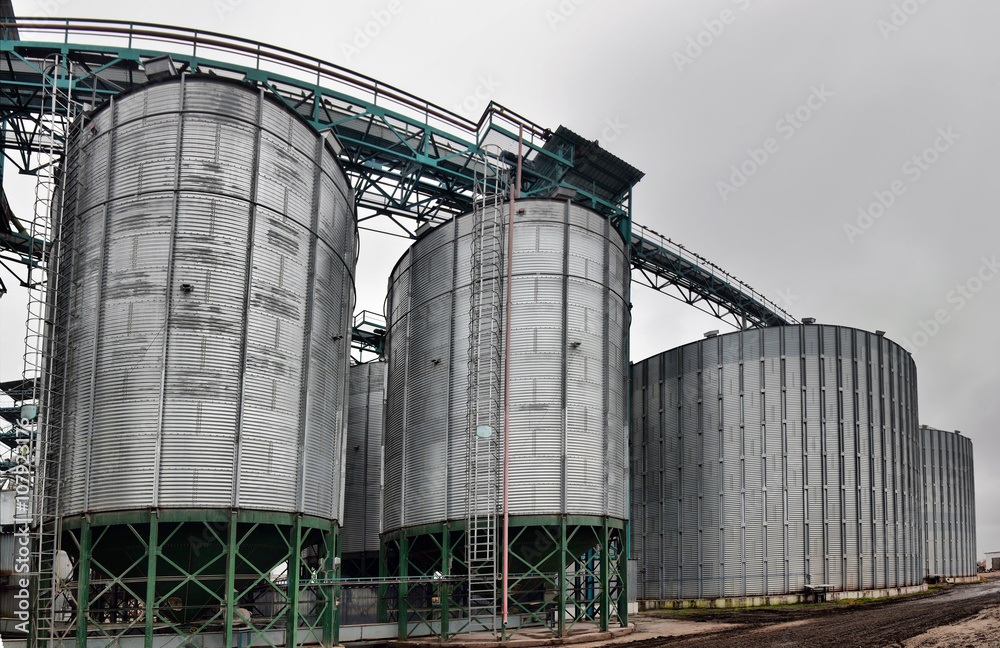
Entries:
{"x":43,"y":363}
{"x":485,"y":405}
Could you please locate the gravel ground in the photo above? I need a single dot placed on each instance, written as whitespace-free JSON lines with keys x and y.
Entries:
{"x":957,"y":616}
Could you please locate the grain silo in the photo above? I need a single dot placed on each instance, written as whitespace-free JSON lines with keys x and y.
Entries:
{"x":950,"y":501}
{"x":444,"y":432}
{"x":776,"y":461}
{"x":205,"y":288}
{"x":363,"y":471}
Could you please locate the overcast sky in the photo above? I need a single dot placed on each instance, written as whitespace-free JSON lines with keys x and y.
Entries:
{"x":839,"y":156}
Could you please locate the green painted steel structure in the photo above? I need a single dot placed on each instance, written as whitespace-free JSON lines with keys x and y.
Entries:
{"x":201,"y":572}
{"x":412,"y":162}
{"x":565,"y":571}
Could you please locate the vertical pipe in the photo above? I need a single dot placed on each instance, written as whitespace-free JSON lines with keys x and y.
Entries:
{"x":168,"y":297}
{"x":514,"y":193}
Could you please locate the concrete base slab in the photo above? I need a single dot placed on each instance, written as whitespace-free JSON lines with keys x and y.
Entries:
{"x":524,"y":638}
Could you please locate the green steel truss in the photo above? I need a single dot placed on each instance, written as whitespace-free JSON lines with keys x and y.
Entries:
{"x":565,"y":573}
{"x":412,"y":163}
{"x":161,"y":578}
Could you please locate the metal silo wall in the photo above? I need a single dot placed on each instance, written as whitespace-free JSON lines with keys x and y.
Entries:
{"x":949,"y":496}
{"x":230,"y":393}
{"x":568,"y":369}
{"x":771,"y":459}
{"x":363,"y":467}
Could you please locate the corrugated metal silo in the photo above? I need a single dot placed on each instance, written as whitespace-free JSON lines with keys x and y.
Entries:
{"x":363,"y":471}
{"x":204,"y":302}
{"x":568,"y":373}
{"x":768,"y":460}
{"x":950,"y":500}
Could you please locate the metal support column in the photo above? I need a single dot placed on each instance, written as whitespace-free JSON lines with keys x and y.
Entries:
{"x":444,"y":590}
{"x":153,"y":549}
{"x":605,"y":579}
{"x":383,"y":574}
{"x":228,"y":594}
{"x":331,"y":612}
{"x":563,"y":550}
{"x":623,"y":576}
{"x":83,"y":587}
{"x":294,"y":568}
{"x":403,"y":588}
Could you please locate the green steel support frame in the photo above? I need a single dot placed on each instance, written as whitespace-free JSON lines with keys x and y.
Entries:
{"x":411,"y":162}
{"x":564,"y":571}
{"x":187,"y":573}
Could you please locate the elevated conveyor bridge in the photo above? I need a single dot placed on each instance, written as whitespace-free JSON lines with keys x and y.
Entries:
{"x":411,"y":162}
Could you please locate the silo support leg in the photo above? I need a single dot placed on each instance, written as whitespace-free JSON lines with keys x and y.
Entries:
{"x":331,"y":612}
{"x":563,"y":553}
{"x":402,"y":588}
{"x":229,"y":593}
{"x":294,"y":566}
{"x":83,"y":590}
{"x":620,"y":569}
{"x":605,"y":587}
{"x":152,"y":549}
{"x":444,"y":593}
{"x":383,"y":573}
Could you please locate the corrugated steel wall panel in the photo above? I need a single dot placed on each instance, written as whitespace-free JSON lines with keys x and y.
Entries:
{"x":568,"y":435}
{"x":230,"y":394}
{"x":771,"y":463}
{"x":363,"y":465}
{"x":949,"y":503}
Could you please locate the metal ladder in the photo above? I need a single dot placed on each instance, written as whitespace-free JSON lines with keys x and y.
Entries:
{"x":485,"y":405}
{"x":43,"y":364}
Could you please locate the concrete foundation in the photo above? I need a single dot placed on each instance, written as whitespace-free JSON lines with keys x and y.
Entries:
{"x":784,"y":599}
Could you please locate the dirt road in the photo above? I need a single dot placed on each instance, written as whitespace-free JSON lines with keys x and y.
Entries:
{"x":951,"y":617}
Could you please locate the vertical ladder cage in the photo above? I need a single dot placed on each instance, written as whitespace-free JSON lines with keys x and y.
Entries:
{"x":484,"y":503}
{"x":53,"y":608}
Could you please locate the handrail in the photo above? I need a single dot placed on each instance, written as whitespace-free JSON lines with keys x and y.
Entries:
{"x":704,"y":265}
{"x":308,"y":74}
{"x":260,"y":54}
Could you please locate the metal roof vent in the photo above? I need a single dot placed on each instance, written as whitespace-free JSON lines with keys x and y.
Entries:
{"x":159,"y":67}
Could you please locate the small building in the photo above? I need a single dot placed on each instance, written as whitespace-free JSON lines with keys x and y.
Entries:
{"x":993,"y":561}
